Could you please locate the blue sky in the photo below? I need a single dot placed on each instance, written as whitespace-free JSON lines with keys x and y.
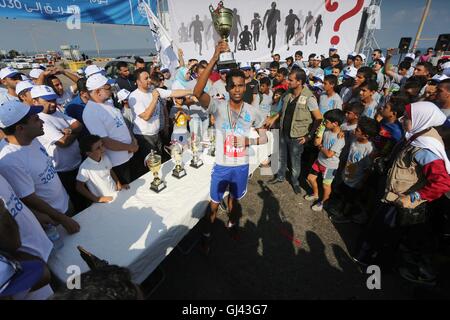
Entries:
{"x":400,"y":18}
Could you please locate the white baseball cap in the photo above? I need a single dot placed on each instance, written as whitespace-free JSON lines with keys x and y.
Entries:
{"x":350,"y":72}
{"x":44,"y":92}
{"x":35,"y":73}
{"x":245,"y":66}
{"x":12,"y":112}
{"x":333,"y":48}
{"x":352,"y":54}
{"x":440,"y":77}
{"x":257,"y":66}
{"x":97,"y":81}
{"x":93,"y":69}
{"x":8,"y":72}
{"x":24,"y":85}
{"x":317,"y":57}
{"x":123,"y":95}
{"x":410,"y":55}
{"x":362,"y":55}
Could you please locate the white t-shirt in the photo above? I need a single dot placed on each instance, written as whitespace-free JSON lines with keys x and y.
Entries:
{"x":64,"y":159}
{"x":33,"y":238}
{"x":139,"y":102}
{"x":226,"y":153}
{"x":29,"y":169}
{"x":97,"y":176}
{"x":218,"y":89}
{"x":106,"y":121}
{"x":266,"y":103}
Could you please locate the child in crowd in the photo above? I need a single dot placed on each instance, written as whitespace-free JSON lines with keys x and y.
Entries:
{"x":356,"y":171}
{"x":353,"y":112}
{"x":330,"y":146}
{"x":391,"y":130}
{"x":329,"y":99}
{"x":368,"y":89}
{"x":273,"y":121}
{"x":179,"y":114}
{"x":266,"y":96}
{"x":281,"y":79}
{"x":337,"y":71}
{"x":122,"y":98}
{"x":95,"y":180}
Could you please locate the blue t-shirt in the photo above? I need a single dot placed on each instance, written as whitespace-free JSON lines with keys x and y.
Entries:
{"x":75,"y":108}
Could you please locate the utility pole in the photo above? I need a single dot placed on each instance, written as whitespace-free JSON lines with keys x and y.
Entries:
{"x":422,"y":23}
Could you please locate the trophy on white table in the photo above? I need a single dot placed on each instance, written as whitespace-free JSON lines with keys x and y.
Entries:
{"x":176,"y":151}
{"x":153,"y":162}
{"x":194,"y":142}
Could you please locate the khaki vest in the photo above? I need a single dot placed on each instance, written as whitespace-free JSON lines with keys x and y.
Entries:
{"x":302,"y":119}
{"x":405,"y":175}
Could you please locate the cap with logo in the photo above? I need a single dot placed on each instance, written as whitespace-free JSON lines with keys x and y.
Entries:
{"x":123,"y":95}
{"x":362,"y":55}
{"x":317,"y":58}
{"x":97,"y":81}
{"x":8,"y":72}
{"x":44,"y":92}
{"x":410,"y":55}
{"x":12,"y":112}
{"x":350,"y":72}
{"x":24,"y":85}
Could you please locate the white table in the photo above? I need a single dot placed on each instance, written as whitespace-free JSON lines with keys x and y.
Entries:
{"x":139,"y":228}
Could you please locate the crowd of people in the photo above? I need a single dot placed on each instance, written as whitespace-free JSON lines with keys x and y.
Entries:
{"x":375,"y":139}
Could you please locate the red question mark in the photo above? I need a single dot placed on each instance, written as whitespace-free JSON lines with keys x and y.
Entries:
{"x":332,"y":6}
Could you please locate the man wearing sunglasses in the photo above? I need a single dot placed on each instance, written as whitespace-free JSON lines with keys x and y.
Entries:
{"x":9,"y":78}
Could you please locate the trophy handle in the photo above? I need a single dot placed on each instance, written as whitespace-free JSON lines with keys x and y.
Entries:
{"x":211,"y":8}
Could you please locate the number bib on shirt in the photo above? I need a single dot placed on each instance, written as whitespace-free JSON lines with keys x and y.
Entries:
{"x":230,"y":150}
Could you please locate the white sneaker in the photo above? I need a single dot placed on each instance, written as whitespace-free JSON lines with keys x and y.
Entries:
{"x":310,"y":197}
{"x":318,"y":206}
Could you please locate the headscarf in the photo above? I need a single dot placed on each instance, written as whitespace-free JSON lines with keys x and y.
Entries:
{"x":425,"y":115}
{"x":180,"y":77}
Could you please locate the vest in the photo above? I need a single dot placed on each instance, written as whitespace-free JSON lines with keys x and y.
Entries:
{"x":405,"y":175}
{"x":302,"y":119}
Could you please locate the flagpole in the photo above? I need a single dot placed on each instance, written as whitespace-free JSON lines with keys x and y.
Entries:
{"x":95,"y":39}
{"x":422,"y":23}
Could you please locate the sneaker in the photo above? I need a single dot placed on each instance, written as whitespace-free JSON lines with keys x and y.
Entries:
{"x":418,"y":274}
{"x":318,"y":206}
{"x":310,"y":197}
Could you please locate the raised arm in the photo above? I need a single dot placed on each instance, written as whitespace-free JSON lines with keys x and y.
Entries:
{"x":202,"y":96}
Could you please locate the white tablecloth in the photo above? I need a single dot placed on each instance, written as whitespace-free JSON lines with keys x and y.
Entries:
{"x":140,"y":227}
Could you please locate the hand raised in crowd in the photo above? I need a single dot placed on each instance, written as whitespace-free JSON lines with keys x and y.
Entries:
{"x":104,"y":199}
{"x":390,"y":52}
{"x":69,"y":224}
{"x":222,"y":46}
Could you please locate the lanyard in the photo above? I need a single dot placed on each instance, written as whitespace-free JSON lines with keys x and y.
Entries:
{"x":233,"y":125}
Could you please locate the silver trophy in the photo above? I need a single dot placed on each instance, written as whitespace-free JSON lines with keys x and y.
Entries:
{"x":212,"y":142}
{"x":176,"y":151}
{"x":194,"y":142}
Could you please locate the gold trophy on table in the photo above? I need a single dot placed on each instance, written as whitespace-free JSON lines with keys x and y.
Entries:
{"x":194,"y":142}
{"x":223,"y":22}
{"x":176,"y":152}
{"x":153,"y":162}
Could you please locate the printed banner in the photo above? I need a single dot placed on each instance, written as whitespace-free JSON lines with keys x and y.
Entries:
{"x":265,"y":27}
{"x":98,"y":11}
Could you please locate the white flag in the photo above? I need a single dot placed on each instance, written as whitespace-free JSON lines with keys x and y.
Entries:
{"x":373,"y":17}
{"x":163,"y":41}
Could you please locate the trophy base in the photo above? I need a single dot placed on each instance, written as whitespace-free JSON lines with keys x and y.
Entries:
{"x":179,"y":173}
{"x":197,"y":164}
{"x":226,"y":61}
{"x":158,"y":187}
{"x":212,"y":153}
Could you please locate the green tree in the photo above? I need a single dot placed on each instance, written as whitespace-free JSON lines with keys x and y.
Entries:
{"x":13,"y":53}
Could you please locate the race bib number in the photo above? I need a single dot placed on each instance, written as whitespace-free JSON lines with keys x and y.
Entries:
{"x":230,"y":150}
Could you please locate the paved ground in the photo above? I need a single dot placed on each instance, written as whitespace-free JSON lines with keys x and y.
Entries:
{"x":286,"y":251}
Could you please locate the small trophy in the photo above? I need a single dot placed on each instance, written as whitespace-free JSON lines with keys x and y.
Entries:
{"x":153,"y":162}
{"x":176,"y":150}
{"x":223,"y":22}
{"x":196,"y":162}
{"x":212,"y":142}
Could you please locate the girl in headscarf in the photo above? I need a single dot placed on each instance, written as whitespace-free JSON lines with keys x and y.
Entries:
{"x":420,"y":173}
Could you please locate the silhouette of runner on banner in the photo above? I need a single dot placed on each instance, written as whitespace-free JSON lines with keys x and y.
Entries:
{"x":273,"y":16}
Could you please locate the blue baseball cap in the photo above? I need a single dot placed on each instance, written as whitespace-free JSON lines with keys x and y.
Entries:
{"x":44,"y":92}
{"x":12,"y":112}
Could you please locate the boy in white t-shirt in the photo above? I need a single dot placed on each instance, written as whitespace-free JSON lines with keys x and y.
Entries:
{"x":96,"y":180}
